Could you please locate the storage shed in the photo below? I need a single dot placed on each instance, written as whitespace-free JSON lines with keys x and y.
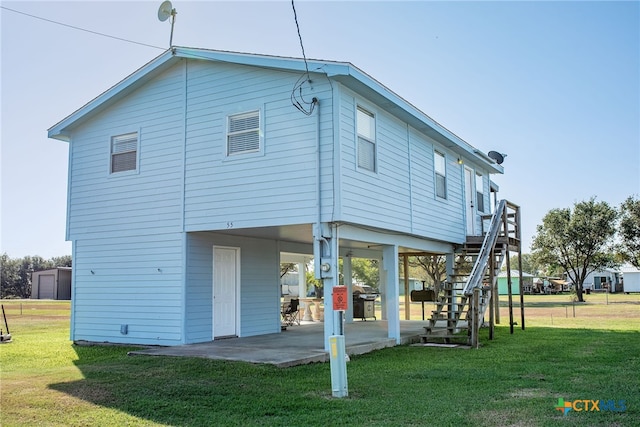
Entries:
{"x":631,"y":278}
{"x":527,"y":282}
{"x":54,"y":283}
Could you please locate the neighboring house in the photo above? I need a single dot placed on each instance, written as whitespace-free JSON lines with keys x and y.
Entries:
{"x":414,"y":284}
{"x":631,"y":278}
{"x":54,"y":283}
{"x":550,"y":285}
{"x":190,"y":178}
{"x":527,"y":283}
{"x":603,"y":279}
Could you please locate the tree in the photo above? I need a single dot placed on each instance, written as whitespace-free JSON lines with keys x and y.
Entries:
{"x":286,"y":267}
{"x":578,"y":240}
{"x":366,"y":271}
{"x":630,"y":231}
{"x":8,"y":276}
{"x":61,"y":261}
{"x":16,"y":273}
{"x":435,"y":267}
{"x":529,"y":264}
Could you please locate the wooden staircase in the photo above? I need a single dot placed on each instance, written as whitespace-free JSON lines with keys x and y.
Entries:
{"x":468,"y":292}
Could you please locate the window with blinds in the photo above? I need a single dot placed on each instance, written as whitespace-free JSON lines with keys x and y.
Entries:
{"x":243,"y":133}
{"x":124,"y":152}
{"x":441,"y":176}
{"x":366,"y":128}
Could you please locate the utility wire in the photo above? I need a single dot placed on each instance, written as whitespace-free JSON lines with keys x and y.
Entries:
{"x":295,"y":17}
{"x":297,"y":99}
{"x":80,"y":29}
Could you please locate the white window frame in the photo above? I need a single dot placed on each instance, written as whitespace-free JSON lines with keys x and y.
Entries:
{"x":440,"y":173}
{"x":479,"y":192}
{"x":257,"y":130}
{"x":114,"y":150}
{"x":366,"y":141}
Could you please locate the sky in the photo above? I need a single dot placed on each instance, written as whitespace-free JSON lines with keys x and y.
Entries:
{"x":554,"y":85}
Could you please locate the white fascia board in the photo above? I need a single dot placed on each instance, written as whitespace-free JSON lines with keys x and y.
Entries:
{"x":263,"y":61}
{"x":59,"y":130}
{"x":382,"y":237}
{"x":344,"y":72}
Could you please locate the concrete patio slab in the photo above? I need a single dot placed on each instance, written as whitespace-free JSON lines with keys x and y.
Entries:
{"x":295,"y":346}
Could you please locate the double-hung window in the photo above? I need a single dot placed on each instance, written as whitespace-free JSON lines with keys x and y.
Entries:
{"x":441,"y":176}
{"x":124,"y":152}
{"x":243,"y":133}
{"x":366,"y":127}
{"x":479,"y":192}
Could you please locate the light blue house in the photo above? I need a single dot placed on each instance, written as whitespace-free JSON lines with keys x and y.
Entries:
{"x":190,"y":178}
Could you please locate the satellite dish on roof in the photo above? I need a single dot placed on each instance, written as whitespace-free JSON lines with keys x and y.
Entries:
{"x":499,"y":158}
{"x":165,"y":11}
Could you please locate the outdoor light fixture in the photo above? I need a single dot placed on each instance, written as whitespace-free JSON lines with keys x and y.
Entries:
{"x":460,"y":161}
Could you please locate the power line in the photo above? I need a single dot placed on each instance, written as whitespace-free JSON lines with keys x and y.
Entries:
{"x":80,"y":29}
{"x":295,"y":17}
{"x":297,"y":99}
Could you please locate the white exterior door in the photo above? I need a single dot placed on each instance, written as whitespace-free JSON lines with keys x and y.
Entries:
{"x":226,"y":275}
{"x":468,"y":201}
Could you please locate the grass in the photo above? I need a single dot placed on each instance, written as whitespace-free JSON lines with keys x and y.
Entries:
{"x":513,"y":380}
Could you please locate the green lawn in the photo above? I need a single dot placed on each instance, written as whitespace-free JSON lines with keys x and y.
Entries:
{"x":513,"y":380}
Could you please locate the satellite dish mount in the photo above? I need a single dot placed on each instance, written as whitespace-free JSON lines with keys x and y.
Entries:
{"x":499,"y":158}
{"x":165,"y":11}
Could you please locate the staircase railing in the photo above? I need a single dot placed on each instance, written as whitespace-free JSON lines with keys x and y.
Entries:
{"x":501,"y":236}
{"x":477,"y":272}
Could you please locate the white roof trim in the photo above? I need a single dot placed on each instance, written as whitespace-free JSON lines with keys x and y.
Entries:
{"x":344,"y":72}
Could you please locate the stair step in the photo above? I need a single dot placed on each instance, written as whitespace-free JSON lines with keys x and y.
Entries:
{"x":444,"y":334}
{"x":436,"y":328}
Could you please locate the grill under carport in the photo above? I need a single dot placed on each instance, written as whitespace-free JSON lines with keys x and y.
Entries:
{"x":364,"y":302}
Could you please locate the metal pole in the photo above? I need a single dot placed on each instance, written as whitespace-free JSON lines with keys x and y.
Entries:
{"x":173,"y":21}
{"x":5,"y":320}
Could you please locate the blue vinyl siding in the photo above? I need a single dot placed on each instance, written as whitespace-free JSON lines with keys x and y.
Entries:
{"x":375,"y":199}
{"x":432,"y":216}
{"x":259,"y":289}
{"x":127,"y":227}
{"x":135,"y":282}
{"x":143,"y":239}
{"x":253,"y":189}
{"x":401,"y":195}
{"x":147,"y":201}
{"x":199,"y":289}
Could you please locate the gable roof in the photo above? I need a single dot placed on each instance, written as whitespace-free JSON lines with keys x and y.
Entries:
{"x":343,"y":72}
{"x":514,"y":273}
{"x":629,"y":269}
